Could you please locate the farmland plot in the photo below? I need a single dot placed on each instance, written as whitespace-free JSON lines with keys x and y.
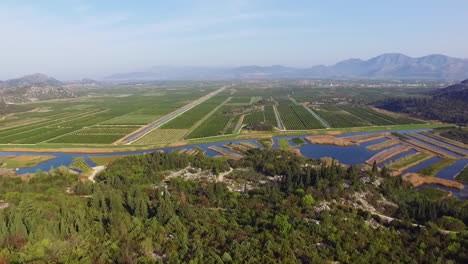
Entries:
{"x":254,"y":118}
{"x":339,"y":118}
{"x":377,"y":118}
{"x":270,"y":117}
{"x":214,"y":125}
{"x":296,"y":117}
{"x":132,"y":119}
{"x":192,"y":116}
{"x":159,"y":136}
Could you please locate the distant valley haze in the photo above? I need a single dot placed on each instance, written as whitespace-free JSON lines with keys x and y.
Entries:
{"x":110,"y":40}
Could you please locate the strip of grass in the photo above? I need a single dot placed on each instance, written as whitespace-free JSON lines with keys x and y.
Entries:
{"x":433,"y":169}
{"x":299,"y":141}
{"x":463,"y":175}
{"x":410,"y":159}
{"x":283,"y":143}
{"x":446,"y":140}
{"x":438,"y":144}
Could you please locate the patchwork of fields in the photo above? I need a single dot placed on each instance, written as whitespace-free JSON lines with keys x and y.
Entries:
{"x":108,"y":118}
{"x":93,"y":120}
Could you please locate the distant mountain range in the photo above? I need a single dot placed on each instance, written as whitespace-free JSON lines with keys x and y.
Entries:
{"x":386,"y":66}
{"x":32,"y":88}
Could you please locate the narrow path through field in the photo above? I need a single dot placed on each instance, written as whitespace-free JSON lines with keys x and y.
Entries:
{"x":145,"y":130}
{"x":278,"y":118}
{"x":207,"y":116}
{"x":318,"y":117}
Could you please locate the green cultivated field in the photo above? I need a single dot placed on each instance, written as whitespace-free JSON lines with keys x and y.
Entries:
{"x":336,"y":117}
{"x":192,"y":116}
{"x":214,"y":125}
{"x":296,"y":117}
{"x":433,"y":169}
{"x":107,"y":115}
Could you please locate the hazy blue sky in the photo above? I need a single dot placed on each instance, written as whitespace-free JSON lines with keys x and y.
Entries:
{"x":79,"y":38}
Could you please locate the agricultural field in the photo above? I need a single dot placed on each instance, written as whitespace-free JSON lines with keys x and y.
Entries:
{"x":283,"y":143}
{"x":132,"y":119}
{"x":254,"y":118}
{"x":377,"y":118}
{"x":108,"y":115}
{"x":433,"y":169}
{"x":192,"y":116}
{"x":100,"y":119}
{"x":161,"y":136}
{"x":337,"y":117}
{"x":296,"y":117}
{"x":81,"y":165}
{"x":270,"y":117}
{"x":213,"y":126}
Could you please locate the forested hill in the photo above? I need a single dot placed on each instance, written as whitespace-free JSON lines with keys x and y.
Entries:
{"x":448,"y":104}
{"x":286,"y":209}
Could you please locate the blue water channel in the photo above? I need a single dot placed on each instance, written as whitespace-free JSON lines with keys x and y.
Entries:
{"x":351,"y":155}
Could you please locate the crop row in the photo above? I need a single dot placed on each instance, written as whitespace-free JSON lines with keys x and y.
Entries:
{"x":103,"y":131}
{"x":132,"y":119}
{"x":366,"y":115}
{"x":86,"y":139}
{"x":81,"y":165}
{"x":213,"y":126}
{"x":340,"y":118}
{"x":433,"y":169}
{"x":254,"y":118}
{"x":270,"y":117}
{"x":48,"y":134}
{"x":296,"y":117}
{"x":192,"y":116}
{"x":309,"y":121}
{"x":377,"y":118}
{"x":289,"y":118}
{"x":161,"y":136}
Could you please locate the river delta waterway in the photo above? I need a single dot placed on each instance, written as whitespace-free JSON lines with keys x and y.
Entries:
{"x":351,"y":155}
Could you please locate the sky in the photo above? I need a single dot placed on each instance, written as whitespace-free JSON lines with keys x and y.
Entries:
{"x":72,"y":39}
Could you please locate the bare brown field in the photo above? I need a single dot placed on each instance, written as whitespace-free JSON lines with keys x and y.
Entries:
{"x":330,"y":140}
{"x":382,"y":145}
{"x":366,"y":138}
{"x":416,"y":180}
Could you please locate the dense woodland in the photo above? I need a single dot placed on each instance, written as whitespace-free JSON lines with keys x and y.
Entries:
{"x":299,"y":211}
{"x":437,"y":108}
{"x":448,"y":104}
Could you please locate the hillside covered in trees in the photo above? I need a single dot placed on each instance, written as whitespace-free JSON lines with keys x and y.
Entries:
{"x":448,"y":104}
{"x":289,"y":210}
